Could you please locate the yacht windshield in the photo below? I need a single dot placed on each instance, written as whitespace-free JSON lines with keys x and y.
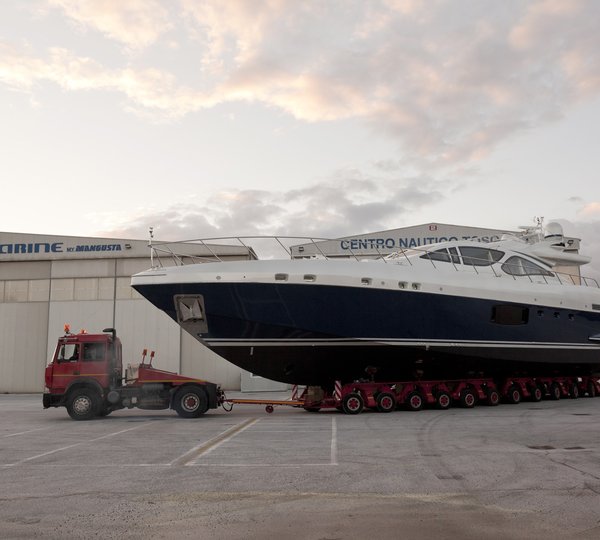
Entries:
{"x":519,"y":266}
{"x":471,"y":255}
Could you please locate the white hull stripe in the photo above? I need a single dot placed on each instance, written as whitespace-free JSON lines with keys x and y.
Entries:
{"x":342,"y":342}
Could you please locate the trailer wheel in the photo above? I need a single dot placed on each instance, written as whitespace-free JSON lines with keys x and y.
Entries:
{"x":414,"y":401}
{"x":468,"y":399}
{"x":513,"y":395}
{"x":591,"y":389}
{"x":386,"y":402}
{"x":443,"y":400}
{"x":353,"y":403}
{"x":190,"y":402}
{"x":493,"y":398}
{"x":83,"y":404}
{"x":536,"y":393}
{"x":574,"y":391}
{"x":555,"y":392}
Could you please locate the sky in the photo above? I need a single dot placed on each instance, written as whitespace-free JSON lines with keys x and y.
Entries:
{"x":324,"y":118}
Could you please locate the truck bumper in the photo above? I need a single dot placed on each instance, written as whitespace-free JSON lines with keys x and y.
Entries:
{"x":52,"y":400}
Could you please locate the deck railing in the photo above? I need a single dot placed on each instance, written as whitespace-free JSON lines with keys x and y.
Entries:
{"x":219,"y":249}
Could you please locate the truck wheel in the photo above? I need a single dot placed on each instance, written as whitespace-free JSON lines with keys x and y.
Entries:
{"x":555,"y":391}
{"x":353,"y":403}
{"x":443,"y":401}
{"x":574,"y":391}
{"x":83,"y":404}
{"x":493,"y":398}
{"x":386,"y":402}
{"x":591,"y":389}
{"x":536,"y":393}
{"x":414,"y":401}
{"x":468,"y":399}
{"x":513,"y":395}
{"x":190,"y":402}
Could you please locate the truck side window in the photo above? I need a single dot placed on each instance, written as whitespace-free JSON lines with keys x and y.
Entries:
{"x":93,"y":352}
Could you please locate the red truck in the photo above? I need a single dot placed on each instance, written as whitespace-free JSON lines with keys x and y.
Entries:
{"x":86,"y":377}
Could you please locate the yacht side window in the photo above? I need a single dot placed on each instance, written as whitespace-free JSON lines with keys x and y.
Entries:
{"x":478,"y":256}
{"x":454,"y":254}
{"x":437,"y":255}
{"x":518,"y":266}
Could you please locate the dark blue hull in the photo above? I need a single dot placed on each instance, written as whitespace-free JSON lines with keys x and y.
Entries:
{"x":313,"y":334}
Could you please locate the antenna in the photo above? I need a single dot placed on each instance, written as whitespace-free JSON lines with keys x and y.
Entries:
{"x":151,"y":233}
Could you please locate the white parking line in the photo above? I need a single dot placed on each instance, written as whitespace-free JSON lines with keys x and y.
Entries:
{"x":31,"y":458}
{"x":204,"y":448}
{"x":24,"y":432}
{"x":334,"y":457}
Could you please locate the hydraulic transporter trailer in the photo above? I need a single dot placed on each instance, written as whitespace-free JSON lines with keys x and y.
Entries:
{"x":86,"y":376}
{"x":353,"y":398}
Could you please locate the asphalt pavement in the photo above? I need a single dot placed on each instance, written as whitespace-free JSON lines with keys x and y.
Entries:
{"x":522,"y":471}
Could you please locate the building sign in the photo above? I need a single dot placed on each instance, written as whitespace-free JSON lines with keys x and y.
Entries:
{"x":54,"y":247}
{"x":32,"y":247}
{"x":354,"y":244}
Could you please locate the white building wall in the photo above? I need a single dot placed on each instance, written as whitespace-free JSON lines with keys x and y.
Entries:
{"x":142,"y":326}
{"x":23,"y":354}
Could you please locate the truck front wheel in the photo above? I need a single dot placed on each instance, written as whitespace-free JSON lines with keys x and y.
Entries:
{"x":83,"y":404}
{"x":190,"y":402}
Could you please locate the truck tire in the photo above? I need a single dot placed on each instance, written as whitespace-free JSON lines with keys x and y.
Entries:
{"x":555,"y":391}
{"x":414,"y":401}
{"x":190,"y":402}
{"x":467,"y":398}
{"x":83,"y":404}
{"x":353,"y":403}
{"x":443,"y":401}
{"x":513,"y":395}
{"x":386,"y":402}
{"x":536,"y":393}
{"x":493,"y":397}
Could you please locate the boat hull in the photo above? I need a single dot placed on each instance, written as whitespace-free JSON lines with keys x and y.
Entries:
{"x":314,"y":334}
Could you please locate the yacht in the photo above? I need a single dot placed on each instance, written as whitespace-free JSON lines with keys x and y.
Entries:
{"x":451,"y":309}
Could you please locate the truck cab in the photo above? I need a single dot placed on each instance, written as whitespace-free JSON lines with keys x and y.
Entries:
{"x":85,"y":375}
{"x":95,"y":358}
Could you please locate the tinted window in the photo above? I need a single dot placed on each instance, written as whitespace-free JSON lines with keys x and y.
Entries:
{"x":510,"y":315}
{"x":93,"y":352}
{"x":518,"y":266}
{"x":454,"y":254}
{"x":438,"y":255}
{"x":478,"y":256}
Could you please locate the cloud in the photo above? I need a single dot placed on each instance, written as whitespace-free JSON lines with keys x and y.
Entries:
{"x":135,"y":23}
{"x":351,"y":201}
{"x":448,"y":81}
{"x":152,"y":92}
{"x":591,"y":209}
